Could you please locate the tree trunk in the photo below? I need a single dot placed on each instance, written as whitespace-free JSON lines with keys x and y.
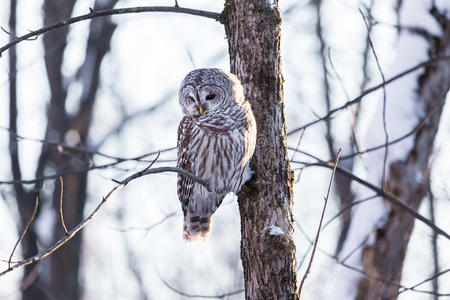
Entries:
{"x":25,"y":200}
{"x":60,"y":277}
{"x":265,"y":202}
{"x":385,"y":258}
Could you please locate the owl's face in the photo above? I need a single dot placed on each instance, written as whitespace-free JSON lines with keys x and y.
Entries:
{"x":205,"y":91}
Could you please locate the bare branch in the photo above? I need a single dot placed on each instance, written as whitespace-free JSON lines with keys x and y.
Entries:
{"x":370,"y":90}
{"x":132,"y":258}
{"x":221,"y":296}
{"x":61,"y":147}
{"x":298,"y":145}
{"x":109,"y":12}
{"x":36,"y":204}
{"x":129,"y":117}
{"x":385,"y":194}
{"x":150,"y":227}
{"x":77,"y":228}
{"x":412,"y":288}
{"x":397,"y":140}
{"x":326,"y":85}
{"x":320,"y":224}
{"x":83,"y":170}
{"x":354,"y":203}
{"x":15,"y":37}
{"x":406,"y":135}
{"x":377,"y":278}
{"x":386,"y":134}
{"x":61,"y":205}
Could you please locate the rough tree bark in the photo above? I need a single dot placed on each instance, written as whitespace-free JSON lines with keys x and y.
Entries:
{"x":267,"y":248}
{"x":385,"y":258}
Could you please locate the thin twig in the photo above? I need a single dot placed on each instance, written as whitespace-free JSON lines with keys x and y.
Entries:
{"x":86,"y":221}
{"x":326,"y":84}
{"x":83,"y":170}
{"x":221,"y":296}
{"x":15,"y":37}
{"x":377,"y":278}
{"x":328,"y":223}
{"x":406,"y":135}
{"x":150,"y":227}
{"x":174,"y":170}
{"x":347,"y":97}
{"x":298,"y":144}
{"x":140,"y":157}
{"x":397,"y":140}
{"x":320,"y":224}
{"x":368,"y":91}
{"x":109,"y":12}
{"x":365,"y":75}
{"x":354,"y":250}
{"x":295,"y":152}
{"x":61,"y":215}
{"x":36,"y":204}
{"x":391,"y":198}
{"x":412,"y":288}
{"x":350,"y":205}
{"x":61,"y":147}
{"x":132,"y":259}
{"x":140,"y":173}
{"x":386,"y":134}
{"x":129,"y":117}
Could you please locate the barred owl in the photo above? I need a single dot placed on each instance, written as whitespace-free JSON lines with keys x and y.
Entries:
{"x":216,"y":139}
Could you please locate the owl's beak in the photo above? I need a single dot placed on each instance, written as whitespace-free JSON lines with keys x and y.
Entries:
{"x":201,"y":109}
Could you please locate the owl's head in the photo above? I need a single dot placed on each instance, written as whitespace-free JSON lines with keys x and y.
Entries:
{"x":204,"y":91}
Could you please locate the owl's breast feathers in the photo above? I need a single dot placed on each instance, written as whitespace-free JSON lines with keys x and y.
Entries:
{"x":215,"y":147}
{"x":184,"y":184}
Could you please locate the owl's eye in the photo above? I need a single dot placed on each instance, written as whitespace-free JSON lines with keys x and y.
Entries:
{"x":210,"y":96}
{"x":191,"y":98}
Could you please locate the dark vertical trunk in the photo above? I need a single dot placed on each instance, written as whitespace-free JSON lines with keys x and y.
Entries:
{"x":267,"y":248}
{"x":61,"y":280}
{"x":25,"y":202}
{"x":385,"y":258}
{"x":65,"y":263}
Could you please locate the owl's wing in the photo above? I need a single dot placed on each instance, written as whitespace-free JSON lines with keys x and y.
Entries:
{"x":184,"y":185}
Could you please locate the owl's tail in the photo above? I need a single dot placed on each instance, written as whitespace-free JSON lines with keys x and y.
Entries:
{"x":196,"y":225}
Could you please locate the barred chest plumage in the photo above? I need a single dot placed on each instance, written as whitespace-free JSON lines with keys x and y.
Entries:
{"x":221,"y":147}
{"x":216,"y":140}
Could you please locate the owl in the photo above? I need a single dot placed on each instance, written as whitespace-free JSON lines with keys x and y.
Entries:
{"x":216,"y":139}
